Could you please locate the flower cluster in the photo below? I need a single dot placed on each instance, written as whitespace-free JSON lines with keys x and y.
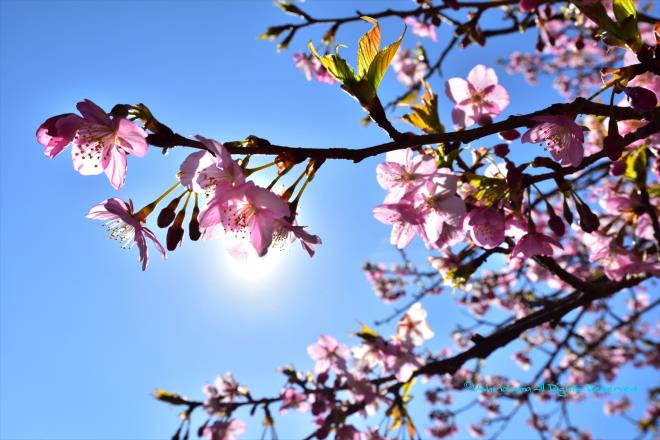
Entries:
{"x":421,"y":200}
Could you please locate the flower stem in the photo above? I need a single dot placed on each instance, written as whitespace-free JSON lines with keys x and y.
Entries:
{"x":144,"y":212}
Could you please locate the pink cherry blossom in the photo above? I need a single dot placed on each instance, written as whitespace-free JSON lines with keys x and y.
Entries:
{"x":421,"y":29}
{"x":432,"y":210}
{"x":486,"y":227}
{"x":210,"y":171}
{"x":312,"y":67}
{"x":442,"y":209}
{"x":58,"y":132}
{"x":618,"y":262}
{"x":292,"y":399}
{"x":620,"y":406}
{"x":412,"y":327}
{"x":329,"y":355}
{"x":247,"y":211}
{"x":409,"y":68}
{"x":400,"y":360}
{"x":563,"y":136}
{"x":224,"y":429}
{"x":102,"y":144}
{"x":404,"y":216}
{"x":402,"y":172}
{"x":286,"y":231}
{"x":478,"y":99}
{"x":126,"y":227}
{"x":533,"y":244}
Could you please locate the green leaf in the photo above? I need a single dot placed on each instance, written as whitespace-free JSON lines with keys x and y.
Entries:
{"x":425,"y":115}
{"x":368,"y":47}
{"x":489,"y":189}
{"x":407,"y":387}
{"x":609,"y":29}
{"x":381,"y":62}
{"x":636,"y":166}
{"x":336,"y":66}
{"x":624,"y":9}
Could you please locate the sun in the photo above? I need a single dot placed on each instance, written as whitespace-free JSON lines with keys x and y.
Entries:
{"x":253,"y":269}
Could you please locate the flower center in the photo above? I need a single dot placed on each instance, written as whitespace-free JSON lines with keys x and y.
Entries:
{"x":122,"y":232}
{"x":92,"y":139}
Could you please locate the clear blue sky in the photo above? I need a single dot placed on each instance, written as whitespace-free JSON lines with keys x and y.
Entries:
{"x":85,"y":335}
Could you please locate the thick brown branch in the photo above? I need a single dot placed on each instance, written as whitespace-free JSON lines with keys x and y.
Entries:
{"x":485,"y":346}
{"x":579,"y":106}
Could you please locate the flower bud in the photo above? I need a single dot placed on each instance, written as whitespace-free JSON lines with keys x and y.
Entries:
{"x":175,"y":232}
{"x":613,"y":146}
{"x":557,"y":225}
{"x":641,"y":99}
{"x":501,"y":150}
{"x":618,"y":168}
{"x":546,"y":162}
{"x":485,"y":119}
{"x":509,"y":135}
{"x":167,"y":214}
{"x":566,"y":210}
{"x":589,"y":221}
{"x":193,"y":227}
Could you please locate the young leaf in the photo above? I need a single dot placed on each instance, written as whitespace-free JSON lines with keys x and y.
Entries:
{"x":368,"y":47}
{"x":624,"y":9}
{"x":609,"y":29}
{"x":381,"y":62}
{"x":335,"y":65}
{"x":636,"y":166}
{"x":425,"y":115}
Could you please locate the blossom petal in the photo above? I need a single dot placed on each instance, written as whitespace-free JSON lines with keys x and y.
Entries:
{"x":482,"y":77}
{"x":93,"y":113}
{"x":457,"y":90}
{"x":133,"y":137}
{"x":85,"y":162}
{"x":114,"y":165}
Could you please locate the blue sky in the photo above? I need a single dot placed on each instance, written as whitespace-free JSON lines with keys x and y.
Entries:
{"x":85,"y":335}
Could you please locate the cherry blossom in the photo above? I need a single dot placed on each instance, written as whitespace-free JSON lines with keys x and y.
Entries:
{"x":421,"y":29}
{"x":563,"y":136}
{"x":213,"y":172}
{"x":125,"y":226}
{"x":409,"y":68}
{"x":292,"y":399}
{"x":312,"y":68}
{"x":329,"y":355}
{"x":477,"y":99}
{"x":58,"y":132}
{"x":100,"y":143}
{"x":103,"y":143}
{"x":486,"y":227}
{"x":533,"y":244}
{"x":413,"y":328}
{"x":247,"y":212}
{"x":224,"y":429}
{"x":402,"y":172}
